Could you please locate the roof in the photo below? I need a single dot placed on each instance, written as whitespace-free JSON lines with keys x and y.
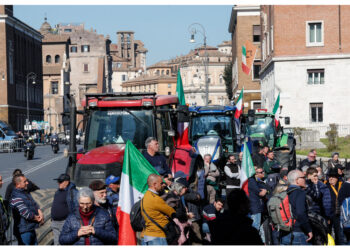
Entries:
{"x":145,"y":78}
{"x":213,"y":109}
{"x":52,"y":70}
{"x":225,"y":43}
{"x":50,"y":38}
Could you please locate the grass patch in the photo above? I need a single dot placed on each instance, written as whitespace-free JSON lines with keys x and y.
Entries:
{"x":343,"y":148}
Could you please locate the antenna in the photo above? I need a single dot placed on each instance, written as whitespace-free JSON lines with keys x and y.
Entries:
{"x":45,"y":17}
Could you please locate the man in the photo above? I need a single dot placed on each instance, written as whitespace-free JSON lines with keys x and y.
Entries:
{"x":302,"y":232}
{"x":209,"y":215}
{"x":152,"y":155}
{"x":30,"y":188}
{"x":113,"y":185}
{"x":260,"y":157}
{"x":271,"y":165}
{"x":27,"y":214}
{"x":343,"y":194}
{"x":257,"y":193}
{"x":64,"y":203}
{"x":332,"y":162}
{"x":157,"y":209}
{"x":310,"y":160}
{"x":4,"y":219}
{"x":90,"y":225}
{"x":232,"y":171}
{"x":100,"y":193}
{"x":211,"y":172}
{"x":282,"y":183}
{"x":334,"y":186}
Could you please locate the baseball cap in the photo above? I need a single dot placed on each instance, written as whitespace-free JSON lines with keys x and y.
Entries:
{"x":112,"y":179}
{"x":182,"y":181}
{"x":62,"y":178}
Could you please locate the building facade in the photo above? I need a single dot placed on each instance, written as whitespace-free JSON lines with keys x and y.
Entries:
{"x":89,"y":59}
{"x":21,"y":59}
{"x":245,"y":26}
{"x":307,"y":61}
{"x":56,"y":69}
{"x":128,"y":59}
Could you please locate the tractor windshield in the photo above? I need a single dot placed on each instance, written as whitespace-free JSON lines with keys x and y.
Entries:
{"x":220,"y":125}
{"x":117,"y":126}
{"x":262,"y":129}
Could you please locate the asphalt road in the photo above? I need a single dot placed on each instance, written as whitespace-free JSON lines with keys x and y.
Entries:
{"x":44,"y":167}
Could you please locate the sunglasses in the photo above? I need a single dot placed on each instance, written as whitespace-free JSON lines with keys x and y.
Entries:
{"x":260,"y":172}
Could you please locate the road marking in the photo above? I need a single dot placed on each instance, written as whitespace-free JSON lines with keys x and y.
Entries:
{"x":31,"y":170}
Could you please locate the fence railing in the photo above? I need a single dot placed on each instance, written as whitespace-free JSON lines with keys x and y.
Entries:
{"x":11,"y":145}
{"x":343,"y":130}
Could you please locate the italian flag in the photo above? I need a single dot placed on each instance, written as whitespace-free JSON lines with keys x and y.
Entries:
{"x":182,"y":127}
{"x":247,"y":168}
{"x":133,"y":185}
{"x":239,"y":105}
{"x":276,"y":110}
{"x":245,"y":66}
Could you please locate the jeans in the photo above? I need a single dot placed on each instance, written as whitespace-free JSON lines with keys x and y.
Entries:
{"x":299,"y":238}
{"x":29,"y":238}
{"x":205,"y":228}
{"x":56,"y":230}
{"x":256,"y":220}
{"x":156,"y":241}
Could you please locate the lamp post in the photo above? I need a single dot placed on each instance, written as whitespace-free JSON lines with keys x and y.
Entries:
{"x":31,"y":76}
{"x":193,"y":30}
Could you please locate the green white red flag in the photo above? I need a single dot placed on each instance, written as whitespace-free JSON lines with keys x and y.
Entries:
{"x":247,"y":168}
{"x":239,"y":105}
{"x":276,"y":110}
{"x":248,"y":56}
{"x":133,"y":185}
{"x":182,"y":127}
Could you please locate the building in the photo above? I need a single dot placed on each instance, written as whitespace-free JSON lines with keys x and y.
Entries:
{"x":192,"y":68}
{"x":20,"y":71}
{"x":56,"y":69}
{"x":307,"y":61}
{"x":128,"y":59}
{"x":245,"y":26}
{"x":158,"y":79}
{"x":89,"y":59}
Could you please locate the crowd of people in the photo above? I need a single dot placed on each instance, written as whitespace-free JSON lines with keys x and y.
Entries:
{"x":204,"y":215}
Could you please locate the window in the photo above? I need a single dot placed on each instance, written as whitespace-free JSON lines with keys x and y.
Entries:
{"x":57,"y":58}
{"x":123,"y":78}
{"x":220,"y":79}
{"x":256,"y":69}
{"x":67,"y":30}
{"x":314,"y":34}
{"x":256,"y":33}
{"x":54,"y":88}
{"x":86,"y":67}
{"x":167,"y":72}
{"x":48,"y":59}
{"x":256,"y":105}
{"x":315,"y":76}
{"x":74,"y":49}
{"x":169,"y":85}
{"x":316,"y":112}
{"x":169,"y":93}
{"x":85,"y":48}
{"x":119,"y":65}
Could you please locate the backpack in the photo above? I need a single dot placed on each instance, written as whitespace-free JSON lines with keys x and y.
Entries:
{"x":280,"y":211}
{"x":319,"y":228}
{"x":136,"y":219}
{"x":272,"y":181}
{"x":345,"y":214}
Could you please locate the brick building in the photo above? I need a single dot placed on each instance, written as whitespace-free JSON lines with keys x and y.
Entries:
{"x":21,"y":55}
{"x":245,"y":26}
{"x":56,"y":69}
{"x":307,"y":61}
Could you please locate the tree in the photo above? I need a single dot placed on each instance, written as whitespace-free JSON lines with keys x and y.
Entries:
{"x":228,"y":80}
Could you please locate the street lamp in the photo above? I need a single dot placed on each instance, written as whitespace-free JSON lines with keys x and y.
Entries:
{"x":31,"y":76}
{"x":193,"y":30}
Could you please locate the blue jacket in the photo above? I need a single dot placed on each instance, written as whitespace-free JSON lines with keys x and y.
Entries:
{"x":72,"y":199}
{"x":104,"y":231}
{"x":321,"y":198}
{"x":256,"y":202}
{"x":25,"y":209}
{"x":297,"y":200}
{"x":113,"y":198}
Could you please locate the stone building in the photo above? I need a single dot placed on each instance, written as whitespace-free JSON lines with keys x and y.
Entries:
{"x":21,"y":56}
{"x":89,"y":60}
{"x":56,"y":69}
{"x":158,"y":79}
{"x":128,"y":59}
{"x":307,"y":61}
{"x":245,"y":26}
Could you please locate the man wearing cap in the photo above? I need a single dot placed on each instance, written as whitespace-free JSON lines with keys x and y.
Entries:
{"x":64,"y":203}
{"x":344,"y":193}
{"x":100,"y":193}
{"x":113,"y":185}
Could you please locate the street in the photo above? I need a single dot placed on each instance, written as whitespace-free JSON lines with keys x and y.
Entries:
{"x":44,"y":167}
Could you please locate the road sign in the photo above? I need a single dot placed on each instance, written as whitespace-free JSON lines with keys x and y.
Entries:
{"x":27,"y":127}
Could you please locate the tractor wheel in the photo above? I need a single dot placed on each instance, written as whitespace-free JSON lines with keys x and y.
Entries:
{"x":44,"y":198}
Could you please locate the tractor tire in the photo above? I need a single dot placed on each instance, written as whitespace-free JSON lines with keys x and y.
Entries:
{"x":44,"y":198}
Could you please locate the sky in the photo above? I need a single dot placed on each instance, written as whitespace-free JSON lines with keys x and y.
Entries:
{"x":164,"y":29}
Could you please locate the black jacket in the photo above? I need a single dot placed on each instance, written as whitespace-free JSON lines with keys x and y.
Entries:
{"x":344,"y":192}
{"x":306,"y":162}
{"x":259,"y":159}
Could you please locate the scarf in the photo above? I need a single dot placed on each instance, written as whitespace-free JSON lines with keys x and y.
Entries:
{"x":85,"y":217}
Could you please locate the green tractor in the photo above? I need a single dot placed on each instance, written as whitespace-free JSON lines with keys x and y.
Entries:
{"x":259,"y":127}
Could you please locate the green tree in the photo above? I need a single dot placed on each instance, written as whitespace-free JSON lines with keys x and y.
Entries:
{"x":228,"y":80}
